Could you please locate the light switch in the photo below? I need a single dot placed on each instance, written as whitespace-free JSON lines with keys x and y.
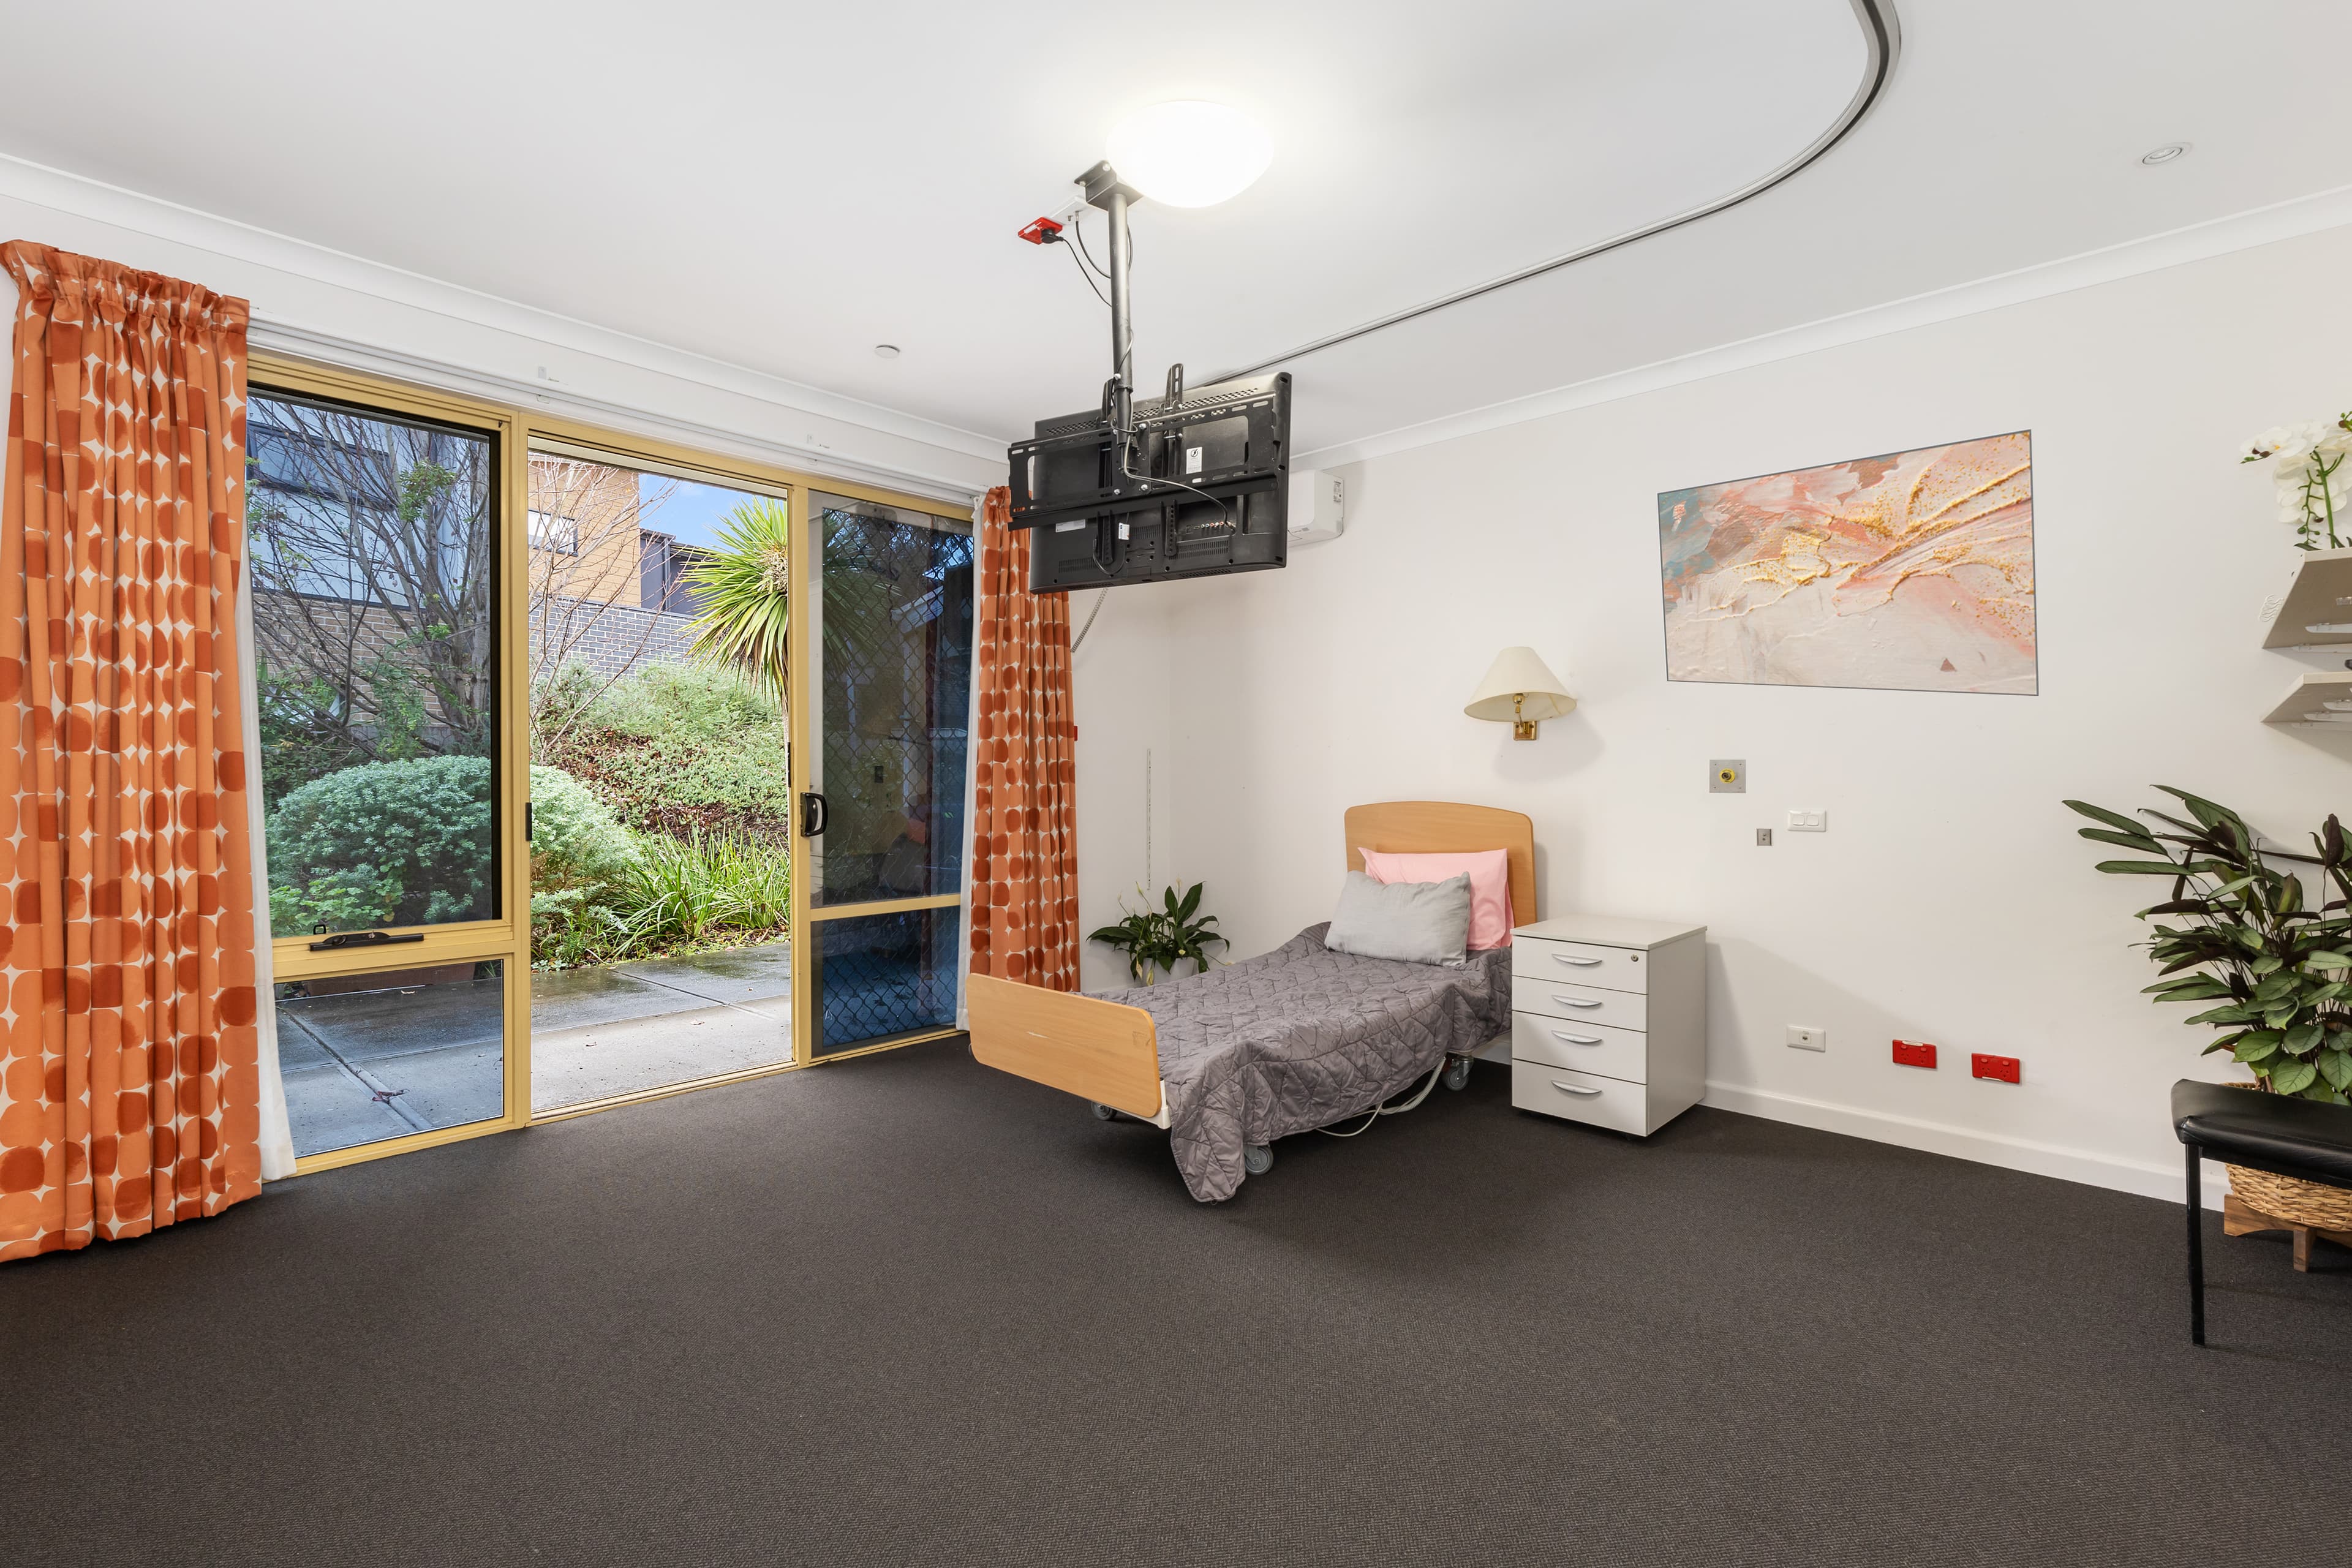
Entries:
{"x":1808,"y":821}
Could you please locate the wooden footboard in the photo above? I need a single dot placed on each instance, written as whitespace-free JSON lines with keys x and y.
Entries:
{"x":1103,"y":1051}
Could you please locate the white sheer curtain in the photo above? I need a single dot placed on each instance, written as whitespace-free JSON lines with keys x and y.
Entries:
{"x":276,"y":1130}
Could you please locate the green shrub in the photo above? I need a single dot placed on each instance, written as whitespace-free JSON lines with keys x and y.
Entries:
{"x":567,"y":928}
{"x":682,"y":750}
{"x":384,"y":844}
{"x":673,"y":894}
{"x":689,"y":889}
{"x":575,"y":841}
{"x":697,"y":701}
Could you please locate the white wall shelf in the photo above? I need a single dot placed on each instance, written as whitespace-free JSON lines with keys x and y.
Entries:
{"x":2306,"y":702}
{"x":2314,"y":600}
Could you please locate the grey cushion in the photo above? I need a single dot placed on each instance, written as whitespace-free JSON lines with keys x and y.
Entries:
{"x":1414,"y":923}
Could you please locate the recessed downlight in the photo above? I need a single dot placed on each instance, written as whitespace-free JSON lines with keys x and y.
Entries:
{"x":886,"y":351}
{"x":2166,"y":154}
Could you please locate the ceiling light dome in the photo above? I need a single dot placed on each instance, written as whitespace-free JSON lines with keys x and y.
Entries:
{"x":1189,"y":153}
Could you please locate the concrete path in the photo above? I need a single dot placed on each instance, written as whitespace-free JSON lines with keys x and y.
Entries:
{"x":363,"y":1066}
{"x":599,"y":1032}
{"x":366,"y":1066}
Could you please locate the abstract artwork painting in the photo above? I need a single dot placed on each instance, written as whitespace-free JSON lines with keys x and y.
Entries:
{"x":1910,"y":572}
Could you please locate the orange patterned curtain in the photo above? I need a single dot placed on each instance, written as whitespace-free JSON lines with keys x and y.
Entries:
{"x":1025,"y":852}
{"x":130,"y":1085}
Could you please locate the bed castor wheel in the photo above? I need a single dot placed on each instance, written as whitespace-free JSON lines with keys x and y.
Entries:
{"x":1457,"y":1073}
{"x":1103,"y":1112}
{"x":1257,"y":1159}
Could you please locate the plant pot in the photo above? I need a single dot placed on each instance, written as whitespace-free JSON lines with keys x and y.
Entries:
{"x":2291,"y":1197}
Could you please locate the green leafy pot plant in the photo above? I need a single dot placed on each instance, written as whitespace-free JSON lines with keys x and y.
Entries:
{"x":2239,"y":931}
{"x":1164,"y":936}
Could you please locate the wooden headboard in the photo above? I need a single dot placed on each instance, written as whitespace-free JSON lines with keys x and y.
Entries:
{"x":1441,"y":828}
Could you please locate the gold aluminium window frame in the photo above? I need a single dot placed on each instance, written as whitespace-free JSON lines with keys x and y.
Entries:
{"x":519,"y":431}
{"x":508,"y":937}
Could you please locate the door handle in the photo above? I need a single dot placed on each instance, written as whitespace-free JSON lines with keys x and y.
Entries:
{"x":1577,"y":1002}
{"x":1580,"y":963}
{"x":1571,"y":1089}
{"x":1579,"y":1039}
{"x":814,"y":814}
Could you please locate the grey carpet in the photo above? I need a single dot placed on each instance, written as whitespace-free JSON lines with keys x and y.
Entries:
{"x":907,"y":1309}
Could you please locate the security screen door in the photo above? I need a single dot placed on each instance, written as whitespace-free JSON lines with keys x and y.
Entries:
{"x":886,"y":641}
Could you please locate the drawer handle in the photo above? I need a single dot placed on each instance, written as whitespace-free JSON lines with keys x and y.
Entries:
{"x":1571,"y":1089}
{"x":1580,"y":963}
{"x":1577,"y":1002}
{"x":1579,"y":1039}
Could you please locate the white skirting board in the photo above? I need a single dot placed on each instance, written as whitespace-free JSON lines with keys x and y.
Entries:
{"x":2146,"y":1179}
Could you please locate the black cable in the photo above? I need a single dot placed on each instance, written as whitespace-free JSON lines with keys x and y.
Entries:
{"x":1090,"y":283}
{"x":1233,"y":518}
{"x":1078,"y":233}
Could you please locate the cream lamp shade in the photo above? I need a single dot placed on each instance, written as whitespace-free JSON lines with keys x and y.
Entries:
{"x":1520,"y":691}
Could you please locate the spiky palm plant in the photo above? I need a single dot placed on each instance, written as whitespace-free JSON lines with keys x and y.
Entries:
{"x":745,"y":589}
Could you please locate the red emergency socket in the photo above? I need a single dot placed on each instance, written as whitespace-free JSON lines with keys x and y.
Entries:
{"x":2005,"y":1068}
{"x":1915,"y":1054}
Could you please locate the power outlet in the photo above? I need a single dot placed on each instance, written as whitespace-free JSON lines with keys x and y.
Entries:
{"x":2001,"y":1069}
{"x":1914,"y":1053}
{"x":1805,"y":1038}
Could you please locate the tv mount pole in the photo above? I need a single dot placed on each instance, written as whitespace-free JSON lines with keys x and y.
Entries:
{"x":1104,"y":190}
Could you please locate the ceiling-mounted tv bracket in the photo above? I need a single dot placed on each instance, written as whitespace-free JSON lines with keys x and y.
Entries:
{"x":1103,"y":189}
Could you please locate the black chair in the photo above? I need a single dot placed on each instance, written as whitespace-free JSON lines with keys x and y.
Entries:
{"x":2274,"y":1132}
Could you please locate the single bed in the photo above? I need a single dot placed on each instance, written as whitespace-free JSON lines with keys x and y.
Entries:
{"x":1296,"y":1039}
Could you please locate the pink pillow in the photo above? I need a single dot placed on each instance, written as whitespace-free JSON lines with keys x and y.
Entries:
{"x":1490,"y":885}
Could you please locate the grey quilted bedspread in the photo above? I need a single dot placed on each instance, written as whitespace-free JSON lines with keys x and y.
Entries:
{"x":1302,"y":1037}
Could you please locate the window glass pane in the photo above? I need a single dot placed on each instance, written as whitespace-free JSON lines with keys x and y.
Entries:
{"x":371,"y":1057}
{"x":894,"y":678}
{"x":375,"y":630}
{"x":877,"y":975}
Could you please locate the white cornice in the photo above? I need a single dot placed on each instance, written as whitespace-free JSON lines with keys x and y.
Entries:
{"x":813,"y":455}
{"x":73,"y":195}
{"x":2198,"y":242}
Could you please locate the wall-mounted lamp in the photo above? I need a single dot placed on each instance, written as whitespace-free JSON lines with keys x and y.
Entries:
{"x":1520,"y":689}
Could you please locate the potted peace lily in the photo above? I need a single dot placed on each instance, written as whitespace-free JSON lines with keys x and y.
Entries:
{"x":2240,"y":931}
{"x":1164,"y":936}
{"x":2308,"y":468}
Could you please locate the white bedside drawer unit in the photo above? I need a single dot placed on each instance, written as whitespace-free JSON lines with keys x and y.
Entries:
{"x":1580,"y":1096}
{"x":1587,"y":1047}
{"x":1584,"y":1003}
{"x":1582,"y":963}
{"x":1609,"y":1020}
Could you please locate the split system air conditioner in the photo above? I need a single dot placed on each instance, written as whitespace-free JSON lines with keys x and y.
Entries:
{"x":1316,"y":512}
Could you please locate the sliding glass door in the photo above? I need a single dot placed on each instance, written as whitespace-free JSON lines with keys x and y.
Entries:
{"x":540,"y":838}
{"x":884,"y":637}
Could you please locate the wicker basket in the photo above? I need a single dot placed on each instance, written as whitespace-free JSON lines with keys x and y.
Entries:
{"x":2291,"y":1198}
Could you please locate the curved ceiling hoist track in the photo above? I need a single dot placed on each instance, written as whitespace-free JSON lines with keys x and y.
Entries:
{"x":1882,"y":35}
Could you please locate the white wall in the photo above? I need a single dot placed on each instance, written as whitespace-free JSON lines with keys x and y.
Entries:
{"x":1123,"y":690}
{"x":1950,"y":900}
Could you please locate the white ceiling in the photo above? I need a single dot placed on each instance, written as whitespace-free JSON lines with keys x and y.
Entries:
{"x":783,"y":186}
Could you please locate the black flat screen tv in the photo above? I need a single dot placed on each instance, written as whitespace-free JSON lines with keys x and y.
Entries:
{"x":1201,"y":487}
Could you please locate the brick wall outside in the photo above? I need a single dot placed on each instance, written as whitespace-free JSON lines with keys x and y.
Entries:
{"x":620,"y":641}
